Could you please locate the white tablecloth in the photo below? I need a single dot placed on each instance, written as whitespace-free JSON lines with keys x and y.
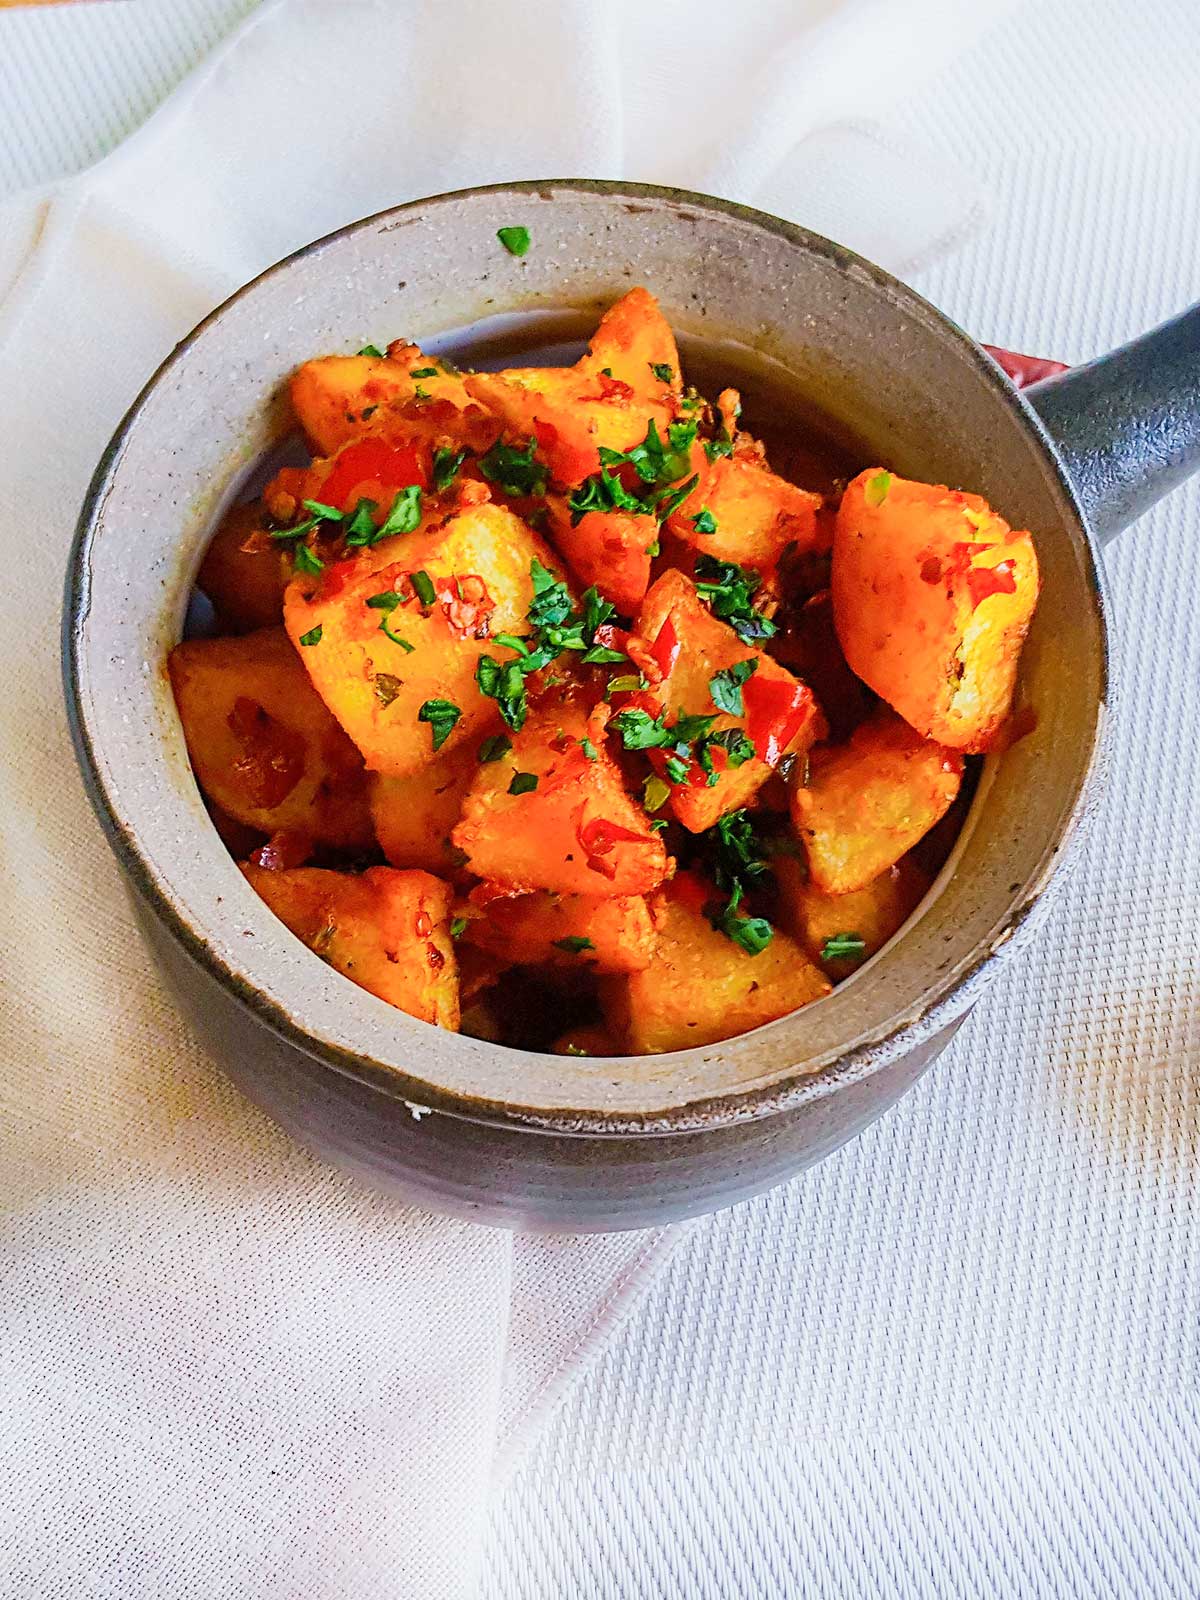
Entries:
{"x":960,"y":1358}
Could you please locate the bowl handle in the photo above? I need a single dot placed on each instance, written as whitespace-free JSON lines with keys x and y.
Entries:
{"x":1127,"y":425}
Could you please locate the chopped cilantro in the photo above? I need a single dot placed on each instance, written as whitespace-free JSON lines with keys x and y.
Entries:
{"x":506,"y":686}
{"x":297,"y":530}
{"x":589,"y":750}
{"x":752,"y":934}
{"x":515,"y":471}
{"x":385,"y":600}
{"x":424,"y":372}
{"x":726,"y":686}
{"x":601,"y":655}
{"x":306,"y":560}
{"x":515,"y":240}
{"x":404,"y":515}
{"x":677,"y":768}
{"x":494,"y":748}
{"x":843,"y":946}
{"x":663,"y":371}
{"x":458,"y":927}
{"x":655,"y":792}
{"x":573,"y":944}
{"x":656,"y":824}
{"x":737,"y":747}
{"x":360,"y":528}
{"x":446,"y":466}
{"x":604,"y":491}
{"x":704,"y":521}
{"x":729,"y":590}
{"x":876,"y":488}
{"x":423,"y":587}
{"x":441,"y":715}
{"x":313,"y":636}
{"x":322,"y":512}
{"x":523,"y":783}
{"x":386,"y":627}
{"x":420,"y":392}
{"x":371,"y":350}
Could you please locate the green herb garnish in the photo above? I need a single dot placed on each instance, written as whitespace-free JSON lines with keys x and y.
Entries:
{"x":494,"y":748}
{"x":573,"y":944}
{"x":423,"y":587}
{"x":752,"y":934}
{"x":523,"y":783}
{"x":404,"y":515}
{"x":446,"y":466}
{"x":729,"y":590}
{"x":424,"y":372}
{"x":876,"y":488}
{"x":360,"y":527}
{"x":515,"y":471}
{"x":589,"y":750}
{"x":322,"y":512}
{"x":441,"y":715}
{"x":515,"y":240}
{"x":306,"y":560}
{"x":843,"y":946}
{"x":458,"y":927}
{"x":704,"y":521}
{"x":371,"y":350}
{"x":726,"y":686}
{"x":313,"y":636}
{"x":663,"y":371}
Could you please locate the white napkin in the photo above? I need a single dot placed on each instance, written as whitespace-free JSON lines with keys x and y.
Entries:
{"x":227,"y":1370}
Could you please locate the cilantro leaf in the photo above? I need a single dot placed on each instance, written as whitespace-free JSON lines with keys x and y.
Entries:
{"x":604,"y":491}
{"x":729,"y":590}
{"x":360,"y":529}
{"x":494,"y":748}
{"x":704,"y":521}
{"x":424,"y":372}
{"x":447,"y":464}
{"x":515,"y":240}
{"x":573,"y":944}
{"x":306,"y":560}
{"x":523,"y":783}
{"x":876,"y":488}
{"x":371,"y":350}
{"x":458,"y":927}
{"x":752,"y":934}
{"x":441,"y":715}
{"x":726,"y":686}
{"x":843,"y":946}
{"x":313,"y":636}
{"x":663,"y":371}
{"x":322,"y":512}
{"x":515,"y":471}
{"x":404,"y":515}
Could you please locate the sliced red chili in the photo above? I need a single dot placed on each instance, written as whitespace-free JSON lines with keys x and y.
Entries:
{"x":666,"y":647}
{"x":984,"y":581}
{"x":776,"y":710}
{"x":373,"y":461}
{"x":614,"y":388}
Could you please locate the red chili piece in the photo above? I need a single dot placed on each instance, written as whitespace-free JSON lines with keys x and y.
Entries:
{"x":775,"y":713}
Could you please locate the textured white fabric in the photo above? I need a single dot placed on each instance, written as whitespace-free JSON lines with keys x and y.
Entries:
{"x":226,"y":1371}
{"x":960,"y":1358}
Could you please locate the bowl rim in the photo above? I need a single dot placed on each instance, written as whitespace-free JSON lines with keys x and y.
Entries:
{"x":934,"y":1010}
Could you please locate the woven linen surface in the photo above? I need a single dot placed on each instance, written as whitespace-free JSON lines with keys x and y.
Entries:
{"x":225,"y":1370}
{"x":960,"y":1358}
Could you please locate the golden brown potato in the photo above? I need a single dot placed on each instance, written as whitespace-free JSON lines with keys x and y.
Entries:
{"x":575,"y":831}
{"x":871,"y":914}
{"x":589,"y":933}
{"x":742,"y":511}
{"x":264,"y":748}
{"x":610,"y":549}
{"x":700,"y":986}
{"x":387,"y":931}
{"x":415,"y":815}
{"x":696,"y":653}
{"x":337,"y":398}
{"x":933,"y":594}
{"x":478,"y":562}
{"x":608,"y":398}
{"x":867,"y":802}
{"x":245,"y":571}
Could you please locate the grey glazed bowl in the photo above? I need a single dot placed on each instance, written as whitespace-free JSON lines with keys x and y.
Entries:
{"x":477,"y":1129}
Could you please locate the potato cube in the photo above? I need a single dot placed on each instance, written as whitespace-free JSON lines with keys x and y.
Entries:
{"x":387,"y":931}
{"x":933,"y":595}
{"x":871,"y":914}
{"x":338,"y":398}
{"x":574,"y":831}
{"x":588,"y":933}
{"x":414,"y":816}
{"x":264,"y":748}
{"x":634,"y":345}
{"x":742,"y":511}
{"x":701,"y":987}
{"x":245,"y":571}
{"x":478,"y":562}
{"x":701,"y":657}
{"x":867,"y":802}
{"x":610,"y":549}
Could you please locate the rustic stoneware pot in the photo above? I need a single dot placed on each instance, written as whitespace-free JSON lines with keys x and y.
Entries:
{"x":540,"y":1141}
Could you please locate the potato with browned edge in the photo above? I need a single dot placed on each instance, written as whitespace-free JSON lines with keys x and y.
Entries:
{"x":933,"y":594}
{"x":263,"y":747}
{"x":337,"y":398}
{"x":245,"y":571}
{"x":868,"y":801}
{"x":702,"y":987}
{"x":376,"y":668}
{"x":387,"y":931}
{"x":743,"y":512}
{"x":552,"y":813}
{"x":588,"y":933}
{"x":414,"y":816}
{"x":841,"y":931}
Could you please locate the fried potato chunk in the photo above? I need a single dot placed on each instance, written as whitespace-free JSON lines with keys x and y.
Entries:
{"x":742,"y":511}
{"x":245,"y":571}
{"x":859,"y":923}
{"x":263,"y":746}
{"x":933,"y":594}
{"x":414,"y":816}
{"x":868,"y":801}
{"x":707,"y":669}
{"x":552,"y":813}
{"x":337,"y":398}
{"x":611,"y":549}
{"x":701,"y":987}
{"x":478,"y":564}
{"x":589,"y":933}
{"x":387,"y":931}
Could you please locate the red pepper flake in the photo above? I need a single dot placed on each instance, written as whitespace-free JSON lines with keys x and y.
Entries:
{"x":466,"y":605}
{"x":665,"y":649}
{"x":985,"y":581}
{"x":776,"y":710}
{"x":614,"y":388}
